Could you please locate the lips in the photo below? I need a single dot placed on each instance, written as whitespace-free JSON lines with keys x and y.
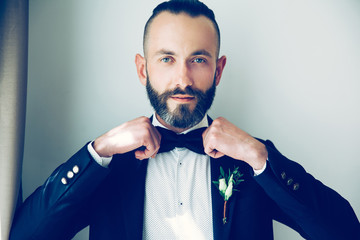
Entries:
{"x":182,"y":98}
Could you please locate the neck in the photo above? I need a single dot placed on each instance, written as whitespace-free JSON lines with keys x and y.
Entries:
{"x":170,"y":127}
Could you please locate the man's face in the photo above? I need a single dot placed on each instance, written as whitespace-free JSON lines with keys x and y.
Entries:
{"x":180,"y":68}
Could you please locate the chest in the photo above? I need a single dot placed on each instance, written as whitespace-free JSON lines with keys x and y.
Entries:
{"x":178,"y":196}
{"x":143,"y":199}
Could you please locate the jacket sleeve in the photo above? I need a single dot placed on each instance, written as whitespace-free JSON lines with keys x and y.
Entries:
{"x":57,"y":209}
{"x":319,"y":211}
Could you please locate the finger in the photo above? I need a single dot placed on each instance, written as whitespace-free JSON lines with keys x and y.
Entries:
{"x":213,"y":152}
{"x":154,"y":155}
{"x":151,"y":143}
{"x":156,"y":138}
{"x":204,"y":134}
{"x":210,"y":145}
{"x":149,"y":151}
{"x":205,"y":137}
{"x":144,"y":153}
{"x":216,"y":154}
{"x":208,"y":141}
{"x":156,"y":141}
{"x":139,"y":154}
{"x":210,"y":150}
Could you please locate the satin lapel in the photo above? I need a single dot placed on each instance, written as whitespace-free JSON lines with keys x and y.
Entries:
{"x":221,"y":230}
{"x":134,"y":206}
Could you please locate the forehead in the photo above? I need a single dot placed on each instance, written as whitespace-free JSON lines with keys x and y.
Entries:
{"x":181,"y":33}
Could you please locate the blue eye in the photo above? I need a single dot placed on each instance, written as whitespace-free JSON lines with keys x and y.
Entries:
{"x":165,"y":59}
{"x":199,"y":60}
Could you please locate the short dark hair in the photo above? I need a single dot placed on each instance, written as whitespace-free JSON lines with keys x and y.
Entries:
{"x":193,"y":8}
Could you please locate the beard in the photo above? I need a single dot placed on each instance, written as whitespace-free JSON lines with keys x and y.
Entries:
{"x":182,"y":116}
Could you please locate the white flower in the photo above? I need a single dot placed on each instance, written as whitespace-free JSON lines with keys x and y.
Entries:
{"x":226,"y":188}
{"x":229,"y":189}
{"x":222,"y":185}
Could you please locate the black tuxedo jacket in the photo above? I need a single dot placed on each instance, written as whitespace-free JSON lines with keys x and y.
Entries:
{"x":111,"y":201}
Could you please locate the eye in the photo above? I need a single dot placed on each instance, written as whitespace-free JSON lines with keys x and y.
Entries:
{"x":166,"y":59}
{"x":199,"y":60}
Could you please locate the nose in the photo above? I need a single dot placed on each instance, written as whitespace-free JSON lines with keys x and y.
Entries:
{"x":184,"y":78}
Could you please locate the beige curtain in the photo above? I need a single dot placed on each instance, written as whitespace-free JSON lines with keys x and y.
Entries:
{"x":13,"y":80}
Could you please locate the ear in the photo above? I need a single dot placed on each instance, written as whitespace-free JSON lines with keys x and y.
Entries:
{"x":220,"y":64}
{"x":140,"y":63}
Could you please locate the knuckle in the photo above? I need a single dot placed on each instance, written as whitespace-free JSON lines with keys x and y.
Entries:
{"x":217,"y":123}
{"x":143,"y":120}
{"x":220,"y":120}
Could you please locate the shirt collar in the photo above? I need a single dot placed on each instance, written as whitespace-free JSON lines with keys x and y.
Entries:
{"x":203,"y":123}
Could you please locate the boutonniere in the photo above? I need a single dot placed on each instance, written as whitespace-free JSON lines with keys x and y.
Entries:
{"x":227,"y":184}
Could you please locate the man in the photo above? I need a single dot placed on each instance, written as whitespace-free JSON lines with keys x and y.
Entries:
{"x":140,"y":180}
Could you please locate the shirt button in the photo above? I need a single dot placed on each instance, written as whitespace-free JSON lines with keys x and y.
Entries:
{"x":289,"y":182}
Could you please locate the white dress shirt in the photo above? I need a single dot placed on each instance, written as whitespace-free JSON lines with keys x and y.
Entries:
{"x":177,"y":193}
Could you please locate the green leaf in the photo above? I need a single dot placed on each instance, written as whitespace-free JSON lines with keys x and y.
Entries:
{"x":222,"y":172}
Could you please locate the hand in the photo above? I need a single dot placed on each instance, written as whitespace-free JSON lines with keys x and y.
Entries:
{"x":223,"y":138}
{"x":130,"y":136}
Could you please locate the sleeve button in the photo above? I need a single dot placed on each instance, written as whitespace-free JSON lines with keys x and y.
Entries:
{"x":283,"y":175}
{"x":76,"y":169}
{"x":70,"y":174}
{"x":64,"y":181}
{"x":296,"y":186}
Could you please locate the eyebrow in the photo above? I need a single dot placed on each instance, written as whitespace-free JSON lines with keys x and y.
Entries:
{"x":164,"y":52}
{"x":201,"y":52}
{"x":195,"y":53}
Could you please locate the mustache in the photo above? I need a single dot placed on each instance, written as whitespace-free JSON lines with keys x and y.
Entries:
{"x":187,"y":91}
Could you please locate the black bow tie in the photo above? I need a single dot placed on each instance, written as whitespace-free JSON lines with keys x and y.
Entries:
{"x":191,"y":140}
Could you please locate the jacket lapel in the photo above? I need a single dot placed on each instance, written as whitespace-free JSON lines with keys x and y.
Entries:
{"x":133,"y":207}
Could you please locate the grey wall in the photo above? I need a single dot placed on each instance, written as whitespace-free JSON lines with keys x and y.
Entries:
{"x":293,"y":76}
